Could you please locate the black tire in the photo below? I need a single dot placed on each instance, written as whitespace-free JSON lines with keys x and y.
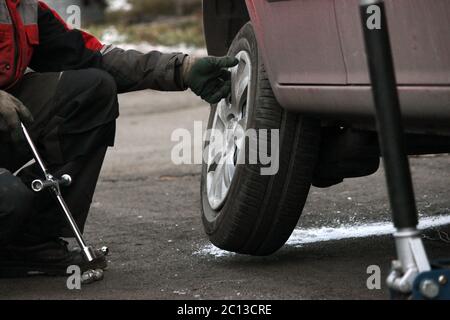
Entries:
{"x":260,"y":212}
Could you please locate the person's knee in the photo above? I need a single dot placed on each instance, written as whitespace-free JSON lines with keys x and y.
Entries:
{"x":87,"y":99}
{"x":104,"y":83}
{"x":95,"y":84}
{"x":89,"y":86}
{"x":105,"y":90}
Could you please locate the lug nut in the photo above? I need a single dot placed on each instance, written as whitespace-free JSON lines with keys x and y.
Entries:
{"x":429,"y":289}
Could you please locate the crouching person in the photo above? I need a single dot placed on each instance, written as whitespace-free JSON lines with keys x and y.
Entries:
{"x":62,"y":84}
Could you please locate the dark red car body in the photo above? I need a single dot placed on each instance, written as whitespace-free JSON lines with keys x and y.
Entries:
{"x":314,"y":54}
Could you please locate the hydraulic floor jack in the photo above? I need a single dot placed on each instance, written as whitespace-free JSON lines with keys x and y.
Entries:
{"x":53,"y":184}
{"x":412,"y":275}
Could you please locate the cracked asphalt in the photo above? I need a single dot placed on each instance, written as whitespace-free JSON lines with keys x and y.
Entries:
{"x":147,"y":210}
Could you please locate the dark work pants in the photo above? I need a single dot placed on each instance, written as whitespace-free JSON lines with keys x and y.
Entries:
{"x":75,"y":114}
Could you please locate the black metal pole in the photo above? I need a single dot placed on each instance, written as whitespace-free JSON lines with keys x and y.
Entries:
{"x":388,"y":114}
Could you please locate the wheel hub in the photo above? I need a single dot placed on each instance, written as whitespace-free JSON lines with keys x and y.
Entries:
{"x":227,"y":139}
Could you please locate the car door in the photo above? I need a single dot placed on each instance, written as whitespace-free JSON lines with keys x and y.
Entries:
{"x":299,"y":41}
{"x":420,"y":37}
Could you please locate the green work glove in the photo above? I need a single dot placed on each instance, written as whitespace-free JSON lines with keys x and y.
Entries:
{"x":12,"y":112}
{"x":209,"y":77}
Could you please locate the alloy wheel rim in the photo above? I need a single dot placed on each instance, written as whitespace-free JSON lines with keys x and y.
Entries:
{"x":227,"y":134}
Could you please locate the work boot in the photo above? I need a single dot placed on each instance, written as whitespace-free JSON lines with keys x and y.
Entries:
{"x":50,"y":257}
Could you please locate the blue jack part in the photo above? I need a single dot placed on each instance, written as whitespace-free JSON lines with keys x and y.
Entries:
{"x":434,"y":284}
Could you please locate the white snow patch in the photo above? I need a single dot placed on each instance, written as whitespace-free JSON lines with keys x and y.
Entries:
{"x":180,"y":292}
{"x":304,"y":236}
{"x":114,"y":5}
{"x":212,"y":250}
{"x":147,"y":47}
{"x":112,"y":36}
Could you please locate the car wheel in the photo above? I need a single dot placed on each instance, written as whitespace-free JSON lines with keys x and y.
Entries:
{"x":242,"y":210}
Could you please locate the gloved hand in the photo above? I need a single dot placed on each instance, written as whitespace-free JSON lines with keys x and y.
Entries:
{"x":208,"y":77}
{"x":12,"y":112}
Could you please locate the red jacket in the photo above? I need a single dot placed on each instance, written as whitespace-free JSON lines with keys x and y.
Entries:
{"x":34,"y":36}
{"x":29,"y":26}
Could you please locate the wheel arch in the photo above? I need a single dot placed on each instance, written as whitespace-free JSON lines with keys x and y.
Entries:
{"x":222,"y":20}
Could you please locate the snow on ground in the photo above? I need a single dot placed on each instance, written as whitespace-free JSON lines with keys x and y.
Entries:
{"x":118,"y":5}
{"x":304,"y":236}
{"x":112,"y":36}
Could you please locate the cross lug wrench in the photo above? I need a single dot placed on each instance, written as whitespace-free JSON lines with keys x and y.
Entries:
{"x":53,"y":184}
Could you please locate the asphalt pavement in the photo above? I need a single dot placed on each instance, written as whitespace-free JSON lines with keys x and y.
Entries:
{"x":147,"y":210}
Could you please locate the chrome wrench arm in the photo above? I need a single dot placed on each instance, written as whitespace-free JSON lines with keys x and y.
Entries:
{"x":53,"y":184}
